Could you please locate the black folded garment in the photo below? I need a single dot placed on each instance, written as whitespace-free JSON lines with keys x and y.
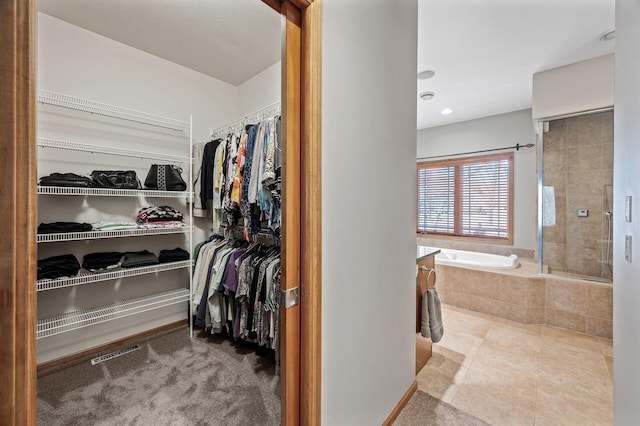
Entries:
{"x":134,"y":259}
{"x":103,"y":260}
{"x":65,"y":179}
{"x":174,"y":255}
{"x":65,"y":265}
{"x":63,"y":227}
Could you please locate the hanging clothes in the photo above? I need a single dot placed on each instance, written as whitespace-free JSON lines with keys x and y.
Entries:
{"x":235,"y":290}
{"x":244,"y":173}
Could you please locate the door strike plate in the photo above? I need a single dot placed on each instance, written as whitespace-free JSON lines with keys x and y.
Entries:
{"x":289,"y":297}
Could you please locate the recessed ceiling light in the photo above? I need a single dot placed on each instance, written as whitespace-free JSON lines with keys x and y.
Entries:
{"x":446,"y":111}
{"x":423,"y":75}
{"x":427,"y":96}
{"x":608,"y":36}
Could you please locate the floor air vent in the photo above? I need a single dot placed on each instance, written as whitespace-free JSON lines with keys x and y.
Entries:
{"x":114,"y":354}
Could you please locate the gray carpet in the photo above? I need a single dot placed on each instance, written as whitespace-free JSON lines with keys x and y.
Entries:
{"x":172,"y":380}
{"x":423,"y":409}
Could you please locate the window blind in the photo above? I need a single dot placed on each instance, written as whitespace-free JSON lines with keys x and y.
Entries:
{"x":468,"y":197}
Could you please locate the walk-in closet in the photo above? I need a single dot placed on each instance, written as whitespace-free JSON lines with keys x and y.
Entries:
{"x":160,"y":166}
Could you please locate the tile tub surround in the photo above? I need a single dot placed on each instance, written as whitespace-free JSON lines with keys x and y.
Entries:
{"x":507,"y":373}
{"x":524,"y":296}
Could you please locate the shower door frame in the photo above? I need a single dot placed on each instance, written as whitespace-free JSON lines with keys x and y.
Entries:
{"x":540,"y":126}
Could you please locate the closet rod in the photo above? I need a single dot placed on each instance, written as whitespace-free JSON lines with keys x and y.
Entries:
{"x":516,"y":147}
{"x":256,"y":116}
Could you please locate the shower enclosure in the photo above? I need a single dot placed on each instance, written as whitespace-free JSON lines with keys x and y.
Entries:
{"x":575,"y":196}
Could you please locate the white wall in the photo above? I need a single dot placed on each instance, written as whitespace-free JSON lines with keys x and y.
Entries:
{"x":261,"y":90}
{"x":77,"y":62}
{"x":578,"y":87}
{"x":368,"y":195}
{"x":626,"y":288}
{"x":494,"y":132}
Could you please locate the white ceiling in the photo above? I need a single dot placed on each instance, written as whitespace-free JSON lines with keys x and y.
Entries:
{"x":484,"y":52}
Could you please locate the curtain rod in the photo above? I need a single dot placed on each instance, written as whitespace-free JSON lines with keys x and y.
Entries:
{"x":259,"y":115}
{"x":516,"y":147}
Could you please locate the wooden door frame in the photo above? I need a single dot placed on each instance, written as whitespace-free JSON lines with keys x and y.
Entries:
{"x":301,"y":99}
{"x":302,"y":220}
{"x":18,"y":210}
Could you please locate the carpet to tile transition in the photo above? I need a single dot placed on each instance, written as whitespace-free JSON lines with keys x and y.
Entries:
{"x":423,"y":409}
{"x":172,"y":380}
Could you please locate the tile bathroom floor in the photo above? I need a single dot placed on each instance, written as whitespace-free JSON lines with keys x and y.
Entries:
{"x":507,"y":373}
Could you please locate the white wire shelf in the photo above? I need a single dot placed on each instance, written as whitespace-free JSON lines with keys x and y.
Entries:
{"x":87,"y":317}
{"x":95,"y":235}
{"x":88,"y":278}
{"x":107,"y":192}
{"x":107,"y":110}
{"x":99,"y":149}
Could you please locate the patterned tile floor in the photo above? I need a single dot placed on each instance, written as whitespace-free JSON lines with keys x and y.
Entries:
{"x":507,"y":373}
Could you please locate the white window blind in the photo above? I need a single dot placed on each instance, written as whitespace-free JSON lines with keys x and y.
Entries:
{"x":436,"y":200}
{"x":469,"y":197}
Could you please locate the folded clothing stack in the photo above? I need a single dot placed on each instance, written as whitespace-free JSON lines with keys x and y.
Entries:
{"x":133,"y":259}
{"x":63,"y":227}
{"x":102,"y":261}
{"x":66,"y":179}
{"x":65,"y":265}
{"x":119,"y":225}
{"x":174,"y":255}
{"x":159,"y":216}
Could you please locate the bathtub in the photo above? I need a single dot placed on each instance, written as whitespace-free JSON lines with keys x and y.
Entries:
{"x":469,"y":259}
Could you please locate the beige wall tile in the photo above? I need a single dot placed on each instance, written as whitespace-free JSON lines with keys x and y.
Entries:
{"x":566,"y":295}
{"x":600,"y":301}
{"x":556,"y":233}
{"x":568,"y":320}
{"x":554,"y":255}
{"x":536,"y":315}
{"x":511,"y":289}
{"x":457,"y":298}
{"x":600,"y":327}
{"x":536,"y":292}
{"x":584,"y":158}
{"x":575,"y":232}
{"x":584,"y":182}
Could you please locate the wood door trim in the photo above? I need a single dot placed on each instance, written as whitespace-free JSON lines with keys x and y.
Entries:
{"x":301,"y":84}
{"x":17,"y":208}
{"x":291,"y":184}
{"x":311,"y":217}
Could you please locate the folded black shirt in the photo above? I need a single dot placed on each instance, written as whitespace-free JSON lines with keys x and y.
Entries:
{"x":102,"y":260}
{"x":63,"y":227}
{"x":134,"y":259}
{"x":65,"y":265}
{"x":174,"y":255}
